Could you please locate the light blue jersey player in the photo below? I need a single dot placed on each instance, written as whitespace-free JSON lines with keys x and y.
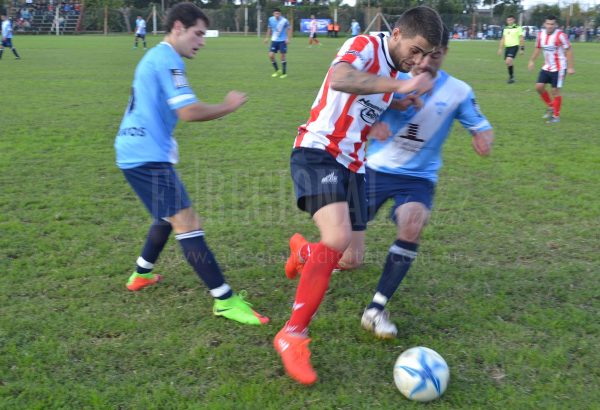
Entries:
{"x":7,"y":35}
{"x":278,"y":30}
{"x":403,"y":160}
{"x":140,"y":31}
{"x":146,"y":152}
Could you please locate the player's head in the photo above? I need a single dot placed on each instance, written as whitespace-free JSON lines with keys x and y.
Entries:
{"x":186,"y":27}
{"x":312,"y":16}
{"x":3,"y":17}
{"x":416,"y":34}
{"x":550,"y":24}
{"x":139,"y":17}
{"x":510,"y":20}
{"x":277,"y":13}
{"x":433,"y":62}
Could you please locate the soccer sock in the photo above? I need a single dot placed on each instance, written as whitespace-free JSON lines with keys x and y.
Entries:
{"x":305,"y":252}
{"x":275,"y":65}
{"x":284,"y":66}
{"x":1,"y":51}
{"x":157,"y":237}
{"x":399,"y":259}
{"x":198,"y":255}
{"x":556,"y":105}
{"x":510,"y":71}
{"x":313,"y":284}
{"x":14,"y":50}
{"x":144,"y":43}
{"x":547,"y":99}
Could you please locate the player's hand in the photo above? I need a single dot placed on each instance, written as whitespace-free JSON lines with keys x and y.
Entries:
{"x":570,"y":70}
{"x":380,"y":131}
{"x":499,"y":53}
{"x":530,"y":66}
{"x":404,"y":103}
{"x":522,"y":52}
{"x":265,"y":40}
{"x":420,"y":84}
{"x":482,"y":142}
{"x":235,"y":99}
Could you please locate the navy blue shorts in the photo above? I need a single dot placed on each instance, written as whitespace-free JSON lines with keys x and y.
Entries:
{"x":554,"y":78}
{"x":7,"y":43}
{"x":278,"y":46}
{"x":142,"y":36}
{"x":320,"y":180}
{"x":382,"y":186}
{"x":159,"y":187}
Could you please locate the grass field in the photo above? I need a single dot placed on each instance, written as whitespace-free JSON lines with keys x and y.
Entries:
{"x":505,"y":286}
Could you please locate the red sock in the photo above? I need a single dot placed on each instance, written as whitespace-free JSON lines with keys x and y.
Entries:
{"x":313,"y":284}
{"x":547,"y":99}
{"x":556,"y":105}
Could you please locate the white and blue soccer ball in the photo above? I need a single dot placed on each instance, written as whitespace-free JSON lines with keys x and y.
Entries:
{"x":421,"y":374}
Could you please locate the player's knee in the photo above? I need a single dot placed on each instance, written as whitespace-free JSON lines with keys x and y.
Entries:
{"x":185,"y":220}
{"x":338,"y":240}
{"x":539,"y":88}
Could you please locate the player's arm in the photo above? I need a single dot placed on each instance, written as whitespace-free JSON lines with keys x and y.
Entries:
{"x":289,"y":34}
{"x":471,"y":118}
{"x":532,"y":59}
{"x":404,"y":103}
{"x":200,"y":111}
{"x":522,"y":42}
{"x":501,"y":45}
{"x":346,"y":78}
{"x":570,"y":62}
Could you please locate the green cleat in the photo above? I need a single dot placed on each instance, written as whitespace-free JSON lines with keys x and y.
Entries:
{"x":283,"y":76}
{"x":238,"y":309}
{"x":276,"y":73}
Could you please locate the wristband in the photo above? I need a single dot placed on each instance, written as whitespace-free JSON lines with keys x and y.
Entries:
{"x":522,"y":48}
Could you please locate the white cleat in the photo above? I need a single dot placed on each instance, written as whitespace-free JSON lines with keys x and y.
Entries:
{"x":378,"y":322}
{"x":548,"y":113}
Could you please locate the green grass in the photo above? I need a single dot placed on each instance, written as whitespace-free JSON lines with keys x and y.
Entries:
{"x":505,"y":287}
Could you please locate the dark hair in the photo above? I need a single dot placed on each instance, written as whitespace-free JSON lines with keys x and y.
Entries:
{"x":187,"y":13}
{"x":551,"y":17}
{"x":445,"y":36}
{"x":421,"y":21}
{"x":277,"y":9}
{"x":510,"y":16}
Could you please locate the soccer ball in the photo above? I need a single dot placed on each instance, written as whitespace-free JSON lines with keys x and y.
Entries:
{"x":421,"y":374}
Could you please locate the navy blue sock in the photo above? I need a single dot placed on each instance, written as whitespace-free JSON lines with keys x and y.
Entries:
{"x":1,"y":51}
{"x":284,"y":67}
{"x":157,"y":237}
{"x":510,"y":71}
{"x":198,"y":255}
{"x":275,"y":65}
{"x":399,"y":259}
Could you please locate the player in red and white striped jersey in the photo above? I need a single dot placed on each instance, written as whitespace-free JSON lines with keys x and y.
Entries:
{"x":327,"y":162}
{"x":558,"y":61}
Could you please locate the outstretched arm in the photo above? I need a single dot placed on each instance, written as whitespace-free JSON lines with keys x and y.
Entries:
{"x":532,"y":59}
{"x":200,"y":111}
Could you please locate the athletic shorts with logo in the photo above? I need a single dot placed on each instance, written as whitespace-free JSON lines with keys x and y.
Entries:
{"x":278,"y":46}
{"x":511,"y":51}
{"x":320,"y":180}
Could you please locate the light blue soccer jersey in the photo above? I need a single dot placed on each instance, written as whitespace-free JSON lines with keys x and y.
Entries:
{"x":415,"y":147}
{"x":159,"y":89}
{"x":7,"y":30}
{"x":140,"y":25}
{"x":279,"y":28}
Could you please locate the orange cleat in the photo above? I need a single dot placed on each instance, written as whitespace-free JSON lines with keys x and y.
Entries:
{"x":139,"y":281}
{"x":295,"y":263}
{"x":295,"y":356}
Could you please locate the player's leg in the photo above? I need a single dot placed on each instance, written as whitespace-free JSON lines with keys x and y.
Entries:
{"x":135,"y":41}
{"x":189,"y":233}
{"x":272,"y":53}
{"x":556,"y":85}
{"x":320,"y":184}
{"x":144,"y":41}
{"x":540,"y":87}
{"x":354,"y":254}
{"x":509,"y":56}
{"x":283,"y":50}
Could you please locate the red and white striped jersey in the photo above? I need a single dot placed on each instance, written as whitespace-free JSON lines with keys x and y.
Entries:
{"x":340,"y":122}
{"x":553,"y":46}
